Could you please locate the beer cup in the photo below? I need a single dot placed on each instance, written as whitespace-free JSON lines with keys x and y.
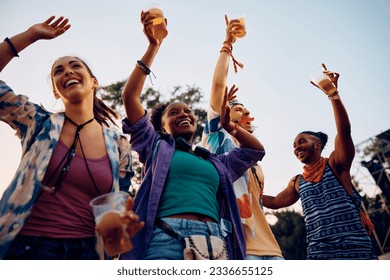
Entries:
{"x":323,"y":81}
{"x":159,"y":28}
{"x":108,"y":210}
{"x":239,"y":31}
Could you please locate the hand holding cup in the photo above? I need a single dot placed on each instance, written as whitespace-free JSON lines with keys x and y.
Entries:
{"x":325,"y":80}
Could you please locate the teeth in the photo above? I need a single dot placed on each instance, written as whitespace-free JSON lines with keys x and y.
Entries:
{"x":299,"y":153}
{"x":72,"y":81}
{"x":184,"y":123}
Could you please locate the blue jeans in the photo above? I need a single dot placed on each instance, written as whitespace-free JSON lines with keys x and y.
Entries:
{"x":25,"y":247}
{"x":164,"y":247}
{"x":264,"y":258}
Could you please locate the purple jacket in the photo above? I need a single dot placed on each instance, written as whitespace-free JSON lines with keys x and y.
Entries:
{"x":230,"y":167}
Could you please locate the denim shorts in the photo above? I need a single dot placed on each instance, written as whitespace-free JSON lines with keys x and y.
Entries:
{"x":164,"y":247}
{"x":25,"y":247}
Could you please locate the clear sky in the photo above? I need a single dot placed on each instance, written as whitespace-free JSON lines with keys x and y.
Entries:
{"x":285,"y":41}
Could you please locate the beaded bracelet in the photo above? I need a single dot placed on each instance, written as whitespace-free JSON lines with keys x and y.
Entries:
{"x":12,"y":46}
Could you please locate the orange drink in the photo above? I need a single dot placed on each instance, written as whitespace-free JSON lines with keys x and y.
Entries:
{"x":159,"y":28}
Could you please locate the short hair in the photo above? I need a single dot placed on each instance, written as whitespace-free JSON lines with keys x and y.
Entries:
{"x":319,"y":135}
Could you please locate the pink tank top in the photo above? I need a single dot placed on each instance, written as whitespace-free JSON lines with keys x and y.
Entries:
{"x":66,"y":213}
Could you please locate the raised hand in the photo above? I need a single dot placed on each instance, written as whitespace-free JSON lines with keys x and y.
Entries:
{"x":334,"y":77}
{"x":231,"y":29}
{"x":225,"y":109}
{"x":147,"y":21}
{"x":50,"y":28}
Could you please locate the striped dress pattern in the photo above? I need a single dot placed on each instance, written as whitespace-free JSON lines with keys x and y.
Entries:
{"x":333,"y":226}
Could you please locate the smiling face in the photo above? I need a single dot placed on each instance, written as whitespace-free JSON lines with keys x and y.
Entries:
{"x":307,"y":148}
{"x":72,"y":80}
{"x":238,"y":113}
{"x":179,"y":121}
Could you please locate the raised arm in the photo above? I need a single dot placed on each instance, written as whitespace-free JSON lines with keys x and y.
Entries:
{"x":49,"y":29}
{"x":245,"y":138}
{"x":222,"y":66}
{"x":344,"y":150}
{"x":135,"y":83}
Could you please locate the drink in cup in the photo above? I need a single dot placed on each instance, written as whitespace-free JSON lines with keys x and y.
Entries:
{"x":159,"y":28}
{"x":323,"y":81}
{"x":240,"y":31}
{"x":108,"y":210}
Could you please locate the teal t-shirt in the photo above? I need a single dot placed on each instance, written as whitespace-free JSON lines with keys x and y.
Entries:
{"x":191,"y":187}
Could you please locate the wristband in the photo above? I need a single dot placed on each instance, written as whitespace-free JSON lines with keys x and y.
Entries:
{"x":11,"y":46}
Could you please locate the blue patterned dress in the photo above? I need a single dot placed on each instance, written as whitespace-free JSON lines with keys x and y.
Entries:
{"x":333,"y":225}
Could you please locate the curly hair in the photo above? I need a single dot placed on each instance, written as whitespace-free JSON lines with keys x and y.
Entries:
{"x":156,"y":115}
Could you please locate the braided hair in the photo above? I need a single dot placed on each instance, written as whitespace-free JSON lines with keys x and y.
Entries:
{"x":319,"y":135}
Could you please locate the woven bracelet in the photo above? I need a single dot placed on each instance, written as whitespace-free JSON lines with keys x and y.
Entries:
{"x":143,"y":66}
{"x":140,"y":64}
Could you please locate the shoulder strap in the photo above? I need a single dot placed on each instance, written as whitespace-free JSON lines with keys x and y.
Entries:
{"x":168,"y":229}
{"x":296,"y":180}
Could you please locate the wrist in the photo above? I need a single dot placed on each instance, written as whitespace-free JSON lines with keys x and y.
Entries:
{"x":233,"y":130}
{"x":334,"y":96}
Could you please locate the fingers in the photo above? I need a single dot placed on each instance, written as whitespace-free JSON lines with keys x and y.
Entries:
{"x":324,"y":67}
{"x":232,"y":91}
{"x":226,"y":20}
{"x":313,"y":84}
{"x":49,"y":20}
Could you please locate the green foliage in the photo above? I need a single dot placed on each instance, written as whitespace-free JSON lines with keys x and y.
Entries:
{"x":290,"y":232}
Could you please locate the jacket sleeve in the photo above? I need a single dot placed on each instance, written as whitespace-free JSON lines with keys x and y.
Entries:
{"x":16,"y":110}
{"x":238,"y":160}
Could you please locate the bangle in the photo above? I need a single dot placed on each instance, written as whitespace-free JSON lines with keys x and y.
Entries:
{"x":335,"y":96}
{"x":12,"y":46}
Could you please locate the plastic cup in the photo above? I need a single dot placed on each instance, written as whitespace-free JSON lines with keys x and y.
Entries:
{"x":323,"y":81}
{"x":239,"y":31}
{"x":159,"y":28}
{"x":108,"y":210}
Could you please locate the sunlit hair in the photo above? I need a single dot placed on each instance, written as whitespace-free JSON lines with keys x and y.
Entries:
{"x":102,"y":113}
{"x":156,"y":115}
{"x":319,"y":135}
